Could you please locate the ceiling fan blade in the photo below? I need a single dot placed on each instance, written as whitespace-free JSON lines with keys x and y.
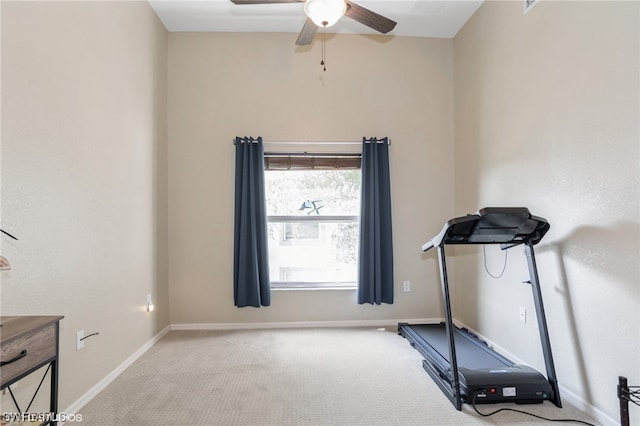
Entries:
{"x":307,"y":34}
{"x":369,"y":18}
{"x":265,"y":1}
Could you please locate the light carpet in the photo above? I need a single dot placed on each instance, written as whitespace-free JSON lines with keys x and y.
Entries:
{"x":333,"y":376}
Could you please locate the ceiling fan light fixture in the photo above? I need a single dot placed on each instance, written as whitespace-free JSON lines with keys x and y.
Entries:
{"x":325,"y":13}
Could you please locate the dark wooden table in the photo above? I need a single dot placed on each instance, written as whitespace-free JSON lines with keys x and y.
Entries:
{"x":27,"y":344}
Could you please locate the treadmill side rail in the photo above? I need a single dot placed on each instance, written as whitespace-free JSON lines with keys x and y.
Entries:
{"x":453,"y":359}
{"x":542,"y":325}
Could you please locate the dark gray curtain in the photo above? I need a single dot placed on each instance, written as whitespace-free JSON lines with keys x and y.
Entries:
{"x":375,"y":269}
{"x":251,"y":285}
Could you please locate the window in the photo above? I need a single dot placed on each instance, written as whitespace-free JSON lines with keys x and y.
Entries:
{"x":313,"y":211}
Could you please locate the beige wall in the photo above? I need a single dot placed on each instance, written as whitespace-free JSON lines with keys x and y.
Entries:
{"x":227,"y":85}
{"x":84,"y":177}
{"x":546,"y":116}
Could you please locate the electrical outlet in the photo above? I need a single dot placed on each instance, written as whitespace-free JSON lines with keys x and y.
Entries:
{"x":79,"y":341}
{"x":523,"y":314}
{"x":406,"y":286}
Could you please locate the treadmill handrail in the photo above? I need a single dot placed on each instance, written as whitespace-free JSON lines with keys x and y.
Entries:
{"x":428,"y":245}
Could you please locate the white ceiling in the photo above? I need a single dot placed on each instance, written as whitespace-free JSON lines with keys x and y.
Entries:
{"x":419,"y":18}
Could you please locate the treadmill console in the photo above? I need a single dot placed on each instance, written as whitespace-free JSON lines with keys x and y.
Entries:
{"x":492,"y":225}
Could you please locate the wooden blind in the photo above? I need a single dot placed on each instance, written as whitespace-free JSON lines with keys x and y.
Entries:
{"x":311,"y":161}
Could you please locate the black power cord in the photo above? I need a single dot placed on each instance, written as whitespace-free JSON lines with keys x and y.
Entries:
{"x":523,"y":412}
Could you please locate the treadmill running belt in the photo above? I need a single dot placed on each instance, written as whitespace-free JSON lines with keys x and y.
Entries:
{"x":470,"y":351}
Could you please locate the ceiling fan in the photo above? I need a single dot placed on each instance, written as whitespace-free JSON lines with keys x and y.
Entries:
{"x":325,"y":13}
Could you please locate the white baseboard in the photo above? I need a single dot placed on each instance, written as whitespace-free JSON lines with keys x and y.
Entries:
{"x":300,"y":324}
{"x":91,"y":393}
{"x":578,"y":402}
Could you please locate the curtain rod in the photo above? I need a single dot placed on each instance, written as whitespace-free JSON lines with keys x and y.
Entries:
{"x":314,"y":142}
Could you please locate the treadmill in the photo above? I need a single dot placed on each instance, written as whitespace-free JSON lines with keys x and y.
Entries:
{"x":465,"y":368}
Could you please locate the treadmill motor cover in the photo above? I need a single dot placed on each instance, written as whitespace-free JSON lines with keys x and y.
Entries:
{"x":519,"y":383}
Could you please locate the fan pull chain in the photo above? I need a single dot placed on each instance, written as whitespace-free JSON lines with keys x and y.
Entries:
{"x":324,"y":26}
